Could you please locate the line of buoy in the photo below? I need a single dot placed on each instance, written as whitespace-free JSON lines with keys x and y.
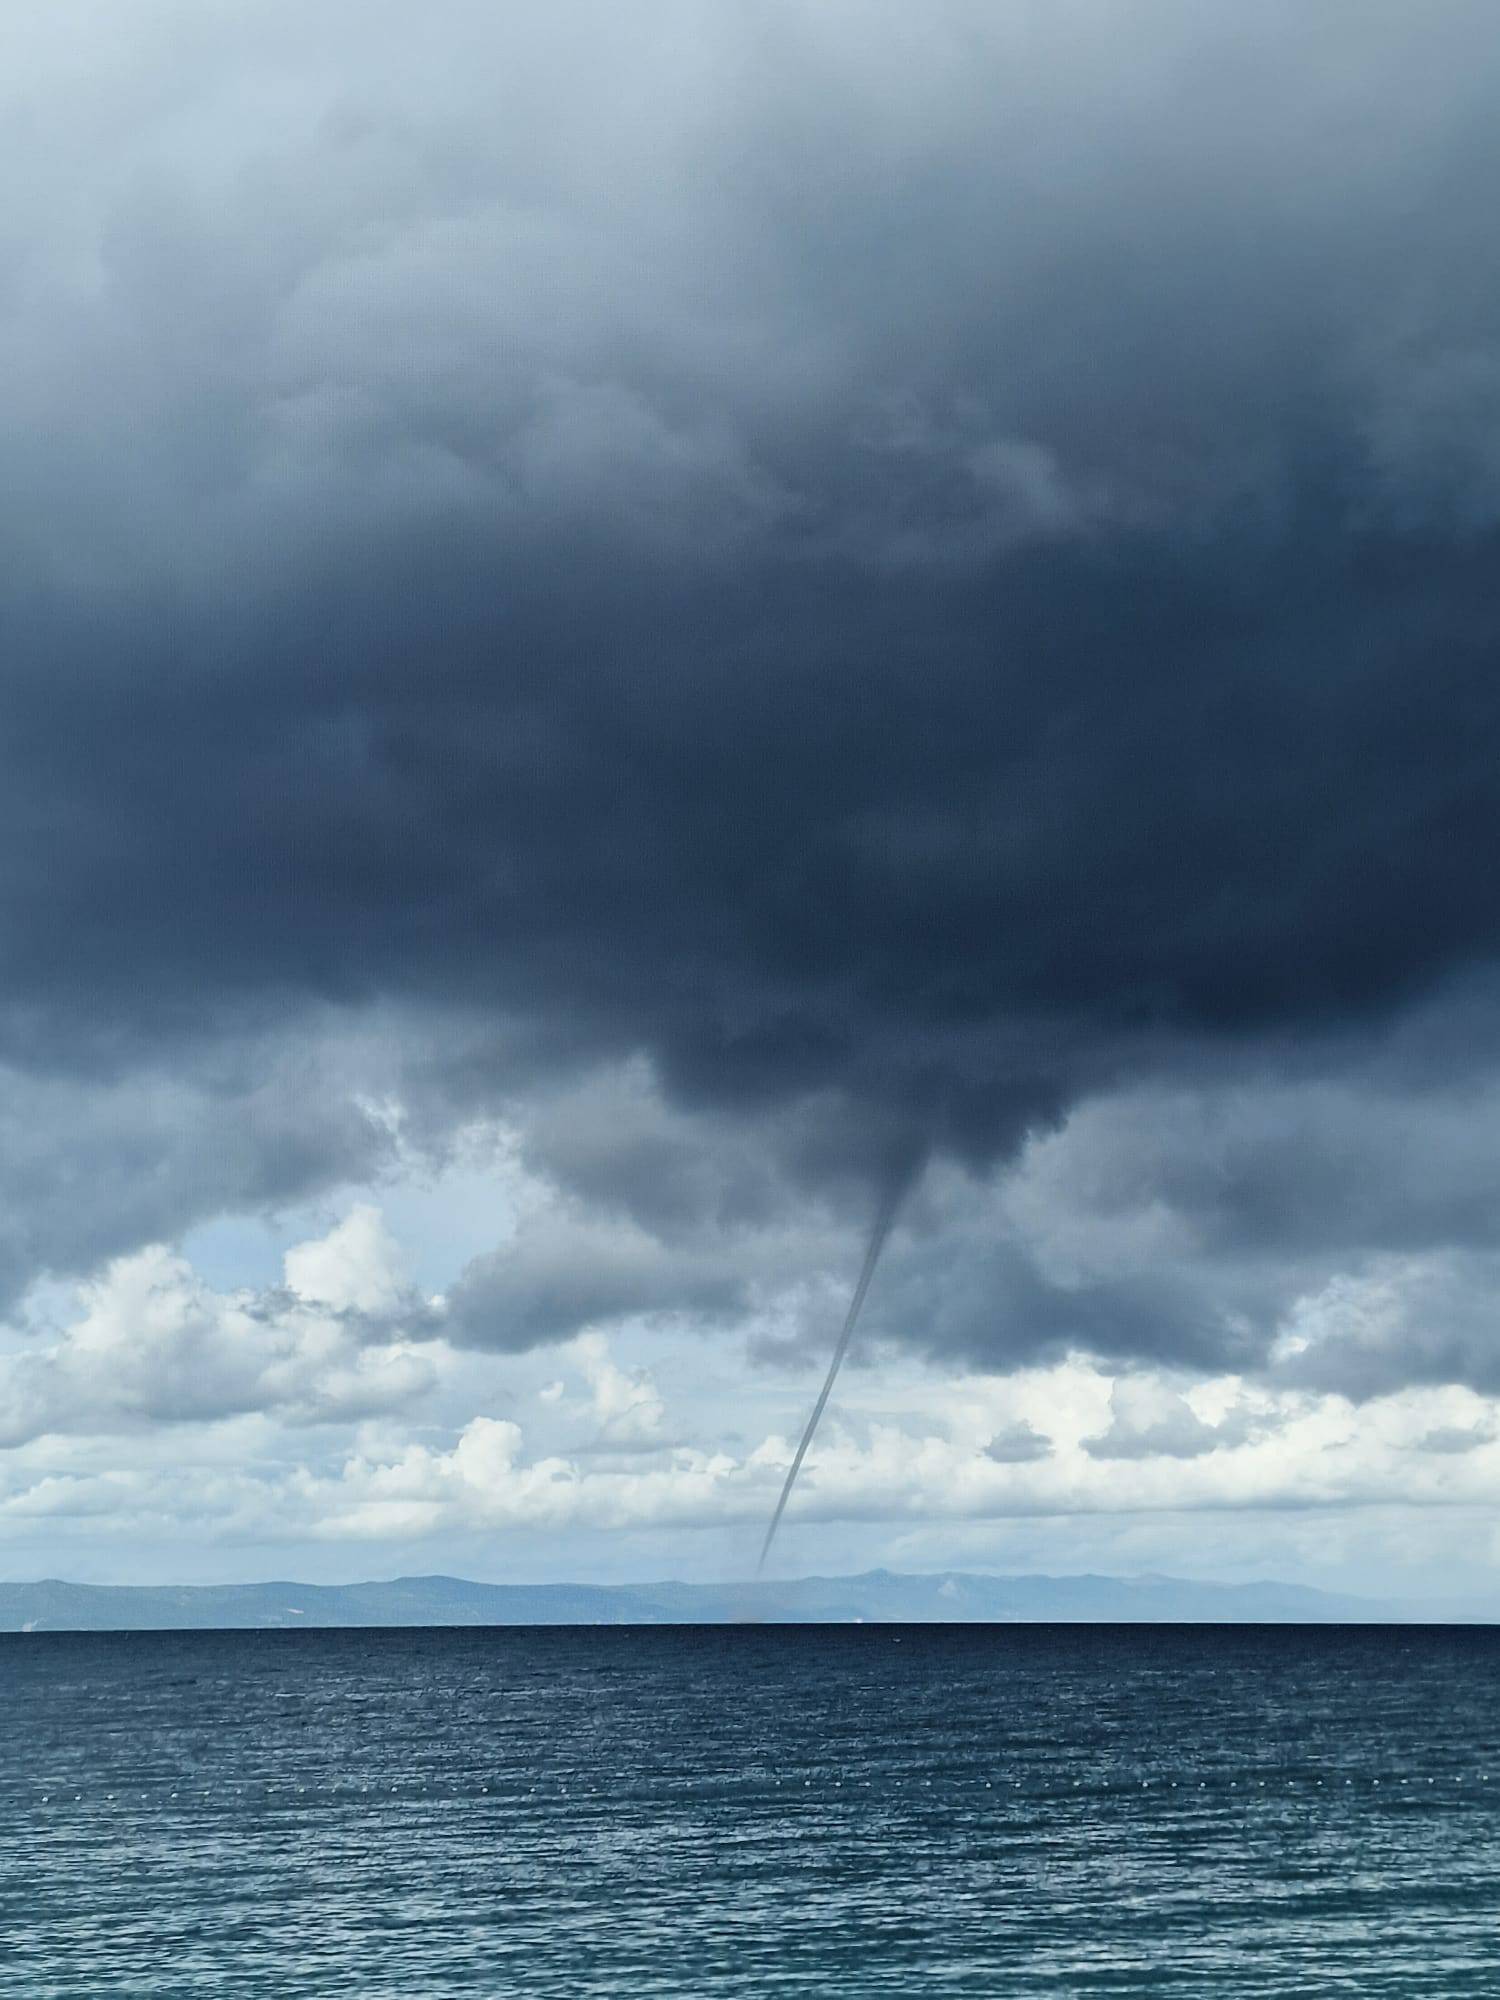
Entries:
{"x":1042,"y":1790}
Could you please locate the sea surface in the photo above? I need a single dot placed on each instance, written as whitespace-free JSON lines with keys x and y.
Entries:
{"x":752,"y":1810}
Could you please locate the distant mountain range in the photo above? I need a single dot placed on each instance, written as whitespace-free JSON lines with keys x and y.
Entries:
{"x":879,"y":1596}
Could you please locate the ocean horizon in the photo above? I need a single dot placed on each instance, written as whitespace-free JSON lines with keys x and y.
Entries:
{"x":877,"y":1596}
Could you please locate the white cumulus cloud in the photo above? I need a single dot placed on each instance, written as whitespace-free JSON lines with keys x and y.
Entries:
{"x":152,"y":1343}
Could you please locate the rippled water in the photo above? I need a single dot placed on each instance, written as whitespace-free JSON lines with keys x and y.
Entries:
{"x":752,"y":1810}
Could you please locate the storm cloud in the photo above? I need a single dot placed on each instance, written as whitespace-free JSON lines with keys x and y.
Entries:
{"x":906,"y":572}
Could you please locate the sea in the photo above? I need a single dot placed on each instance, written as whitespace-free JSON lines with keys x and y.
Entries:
{"x":751,"y":1810}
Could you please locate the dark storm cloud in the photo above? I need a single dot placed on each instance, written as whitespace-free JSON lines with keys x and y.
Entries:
{"x":1316,"y":1234}
{"x":1017,"y":1444}
{"x":573,"y":1273}
{"x":92,"y":1168}
{"x":933,"y":559}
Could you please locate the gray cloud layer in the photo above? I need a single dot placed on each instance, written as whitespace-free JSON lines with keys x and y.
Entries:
{"x":927,"y":563}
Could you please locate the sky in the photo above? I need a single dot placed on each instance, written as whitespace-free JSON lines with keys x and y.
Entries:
{"x":615,"y":618}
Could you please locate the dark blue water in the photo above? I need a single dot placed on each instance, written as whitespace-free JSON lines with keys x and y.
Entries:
{"x":875,"y":1810}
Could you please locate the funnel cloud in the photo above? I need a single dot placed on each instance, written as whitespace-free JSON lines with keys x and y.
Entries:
{"x":897,"y":1184}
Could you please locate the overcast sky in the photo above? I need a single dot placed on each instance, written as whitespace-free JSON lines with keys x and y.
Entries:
{"x":614,"y":616}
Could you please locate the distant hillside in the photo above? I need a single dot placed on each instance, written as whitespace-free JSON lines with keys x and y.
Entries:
{"x":878,"y":1596}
